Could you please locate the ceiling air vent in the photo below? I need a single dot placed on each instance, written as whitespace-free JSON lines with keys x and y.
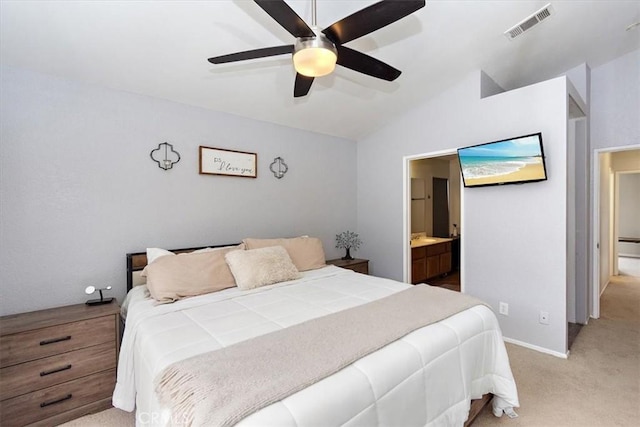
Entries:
{"x":529,"y":22}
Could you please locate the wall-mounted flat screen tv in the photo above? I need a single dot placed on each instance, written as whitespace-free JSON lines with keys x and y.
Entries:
{"x":510,"y":161}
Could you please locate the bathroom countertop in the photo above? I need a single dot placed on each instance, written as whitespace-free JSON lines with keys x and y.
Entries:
{"x":427,"y":241}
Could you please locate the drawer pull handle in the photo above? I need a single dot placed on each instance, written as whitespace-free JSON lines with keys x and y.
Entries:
{"x":53,"y":371}
{"x":55,"y":340}
{"x":53,"y":402}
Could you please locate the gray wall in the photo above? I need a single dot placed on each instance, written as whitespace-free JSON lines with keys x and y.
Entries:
{"x":78,"y":189}
{"x":615,"y":102}
{"x":514,"y":237}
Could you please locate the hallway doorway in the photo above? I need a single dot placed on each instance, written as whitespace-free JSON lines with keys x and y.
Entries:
{"x":616,"y":177}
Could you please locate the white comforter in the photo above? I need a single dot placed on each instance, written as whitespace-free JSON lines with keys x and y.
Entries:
{"x":425,"y":378}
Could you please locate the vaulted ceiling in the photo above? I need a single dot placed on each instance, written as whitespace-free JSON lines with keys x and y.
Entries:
{"x":160,"y":49}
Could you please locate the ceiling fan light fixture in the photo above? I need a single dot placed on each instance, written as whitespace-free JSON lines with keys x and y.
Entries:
{"x":315,"y":52}
{"x":315,"y":57}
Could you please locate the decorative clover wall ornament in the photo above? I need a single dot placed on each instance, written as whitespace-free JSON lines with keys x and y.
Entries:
{"x":171,"y":156}
{"x":278,"y":167}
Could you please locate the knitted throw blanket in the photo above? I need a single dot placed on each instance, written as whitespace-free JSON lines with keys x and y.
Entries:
{"x":222,"y":387}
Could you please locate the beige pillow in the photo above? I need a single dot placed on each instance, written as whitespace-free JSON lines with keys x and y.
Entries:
{"x":260,"y":267}
{"x":155,"y":253}
{"x":305,"y":252}
{"x":170,"y":278}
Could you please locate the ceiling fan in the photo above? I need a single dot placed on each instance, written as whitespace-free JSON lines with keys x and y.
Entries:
{"x":316,"y":51}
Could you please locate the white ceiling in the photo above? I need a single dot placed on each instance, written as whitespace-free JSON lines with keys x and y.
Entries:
{"x":159,"y":48}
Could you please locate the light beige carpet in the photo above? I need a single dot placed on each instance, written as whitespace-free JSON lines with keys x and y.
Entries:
{"x":599,"y":385}
{"x":110,"y":418}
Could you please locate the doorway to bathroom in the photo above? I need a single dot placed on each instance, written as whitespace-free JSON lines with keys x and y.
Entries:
{"x":433,"y":220}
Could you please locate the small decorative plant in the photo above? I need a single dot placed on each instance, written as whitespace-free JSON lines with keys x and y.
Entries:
{"x":348,"y":240}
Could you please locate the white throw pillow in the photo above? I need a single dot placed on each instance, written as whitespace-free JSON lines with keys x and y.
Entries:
{"x":155,"y":253}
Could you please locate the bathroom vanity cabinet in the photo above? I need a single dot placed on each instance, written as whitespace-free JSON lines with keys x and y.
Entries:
{"x":430,"y":260}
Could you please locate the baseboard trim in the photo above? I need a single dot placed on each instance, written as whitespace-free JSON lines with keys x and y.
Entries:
{"x":605,"y":288}
{"x":537,"y":348}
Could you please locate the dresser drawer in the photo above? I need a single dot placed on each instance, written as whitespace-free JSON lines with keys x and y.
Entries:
{"x":36,"y":344}
{"x":42,"y":373}
{"x":52,"y":401}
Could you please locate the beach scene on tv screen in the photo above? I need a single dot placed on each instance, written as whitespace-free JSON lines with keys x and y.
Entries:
{"x":514,"y":160}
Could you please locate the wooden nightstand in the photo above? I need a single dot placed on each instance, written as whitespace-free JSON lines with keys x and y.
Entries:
{"x":57,"y":364}
{"x":357,"y":265}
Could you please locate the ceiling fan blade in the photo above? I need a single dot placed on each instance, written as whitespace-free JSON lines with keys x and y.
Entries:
{"x":286,"y":17}
{"x":302,"y":86}
{"x":252,"y":54}
{"x":370,"y":19}
{"x":366,"y":64}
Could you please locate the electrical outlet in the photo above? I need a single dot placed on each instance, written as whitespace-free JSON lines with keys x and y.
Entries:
{"x":504,"y":308}
{"x":544,"y":317}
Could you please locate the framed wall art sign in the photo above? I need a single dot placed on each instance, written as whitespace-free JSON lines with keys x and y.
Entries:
{"x":217,"y":161}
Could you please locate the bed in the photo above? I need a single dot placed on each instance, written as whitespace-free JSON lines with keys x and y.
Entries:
{"x":426,"y":377}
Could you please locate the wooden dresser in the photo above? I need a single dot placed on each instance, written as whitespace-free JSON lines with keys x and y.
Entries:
{"x":57,"y":364}
{"x":357,"y":265}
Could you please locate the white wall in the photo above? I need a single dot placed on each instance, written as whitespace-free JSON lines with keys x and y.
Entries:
{"x":582,"y":222}
{"x":629,"y":212}
{"x":579,"y":302}
{"x":513,"y":237}
{"x":571,"y":225}
{"x":78,"y":189}
{"x":454,"y":188}
{"x":580,"y":77}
